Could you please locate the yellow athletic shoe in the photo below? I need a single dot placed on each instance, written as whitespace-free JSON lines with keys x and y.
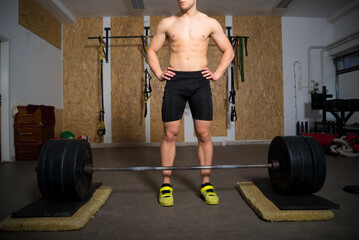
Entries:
{"x":208,"y":194}
{"x":165,"y":198}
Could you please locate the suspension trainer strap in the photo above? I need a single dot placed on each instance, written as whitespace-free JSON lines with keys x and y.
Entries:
{"x":147,"y":89}
{"x":242,"y":58}
{"x":232,"y":92}
{"x":245,"y":45}
{"x":101,"y":127}
{"x":232,"y":97}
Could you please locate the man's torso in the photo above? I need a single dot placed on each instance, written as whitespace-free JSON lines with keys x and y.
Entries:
{"x":188,"y":42}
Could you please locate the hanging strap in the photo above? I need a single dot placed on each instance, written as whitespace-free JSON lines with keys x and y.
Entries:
{"x":245,"y":45}
{"x":242,"y":58}
{"x":236,"y":60}
{"x":101,"y":127}
{"x":147,"y":89}
{"x":232,"y":98}
{"x":232,"y":92}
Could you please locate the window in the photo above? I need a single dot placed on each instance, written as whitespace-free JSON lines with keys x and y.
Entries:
{"x":347,"y":63}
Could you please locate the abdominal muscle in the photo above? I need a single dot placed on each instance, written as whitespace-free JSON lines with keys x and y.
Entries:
{"x":188,"y":55}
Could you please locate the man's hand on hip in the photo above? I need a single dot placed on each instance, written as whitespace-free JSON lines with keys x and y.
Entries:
{"x":167,"y":74}
{"x":208,"y":74}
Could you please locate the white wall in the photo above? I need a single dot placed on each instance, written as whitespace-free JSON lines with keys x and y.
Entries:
{"x":298,"y":36}
{"x":35,"y":65}
{"x":346,"y":26}
{"x":326,"y":40}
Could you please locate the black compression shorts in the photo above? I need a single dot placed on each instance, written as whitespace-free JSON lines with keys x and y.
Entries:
{"x":191,"y":87}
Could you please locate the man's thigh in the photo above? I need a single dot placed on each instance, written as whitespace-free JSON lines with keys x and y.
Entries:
{"x":201,"y":103}
{"x":172,"y":127}
{"x":202,"y":126}
{"x":173,"y":104}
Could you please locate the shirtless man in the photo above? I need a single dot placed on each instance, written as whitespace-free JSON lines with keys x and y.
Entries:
{"x":187,"y":79}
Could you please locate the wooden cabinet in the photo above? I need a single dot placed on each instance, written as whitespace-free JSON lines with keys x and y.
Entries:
{"x":27,"y":151}
{"x":27,"y":133}
{"x":30,"y":134}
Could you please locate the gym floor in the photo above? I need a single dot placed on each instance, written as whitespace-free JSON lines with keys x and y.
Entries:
{"x":132,"y":211}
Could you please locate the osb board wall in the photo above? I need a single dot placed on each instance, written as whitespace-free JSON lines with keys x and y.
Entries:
{"x":219,"y":88}
{"x":59,"y":119}
{"x":127,"y":81}
{"x":157,"y":91}
{"x":39,"y":21}
{"x":259,"y":100}
{"x":81,"y":78}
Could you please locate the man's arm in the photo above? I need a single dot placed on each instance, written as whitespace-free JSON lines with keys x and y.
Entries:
{"x":156,"y":44}
{"x":225,"y":46}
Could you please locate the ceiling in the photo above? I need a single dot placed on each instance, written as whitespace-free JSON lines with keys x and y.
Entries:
{"x":100,"y":8}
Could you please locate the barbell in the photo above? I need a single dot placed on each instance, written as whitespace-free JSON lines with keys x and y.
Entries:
{"x":296,"y":165}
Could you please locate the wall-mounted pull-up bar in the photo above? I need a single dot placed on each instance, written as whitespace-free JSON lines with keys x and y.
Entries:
{"x":106,"y":37}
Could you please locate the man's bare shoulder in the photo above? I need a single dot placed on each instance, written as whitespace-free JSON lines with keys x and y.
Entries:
{"x":205,"y":17}
{"x":167,"y":21}
{"x":210,"y":22}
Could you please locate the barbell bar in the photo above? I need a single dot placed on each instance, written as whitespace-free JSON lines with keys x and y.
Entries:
{"x":296,"y":165}
{"x":89,"y":168}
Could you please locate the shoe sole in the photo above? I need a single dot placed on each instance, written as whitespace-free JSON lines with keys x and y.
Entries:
{"x":209,"y":203}
{"x":166,"y":205}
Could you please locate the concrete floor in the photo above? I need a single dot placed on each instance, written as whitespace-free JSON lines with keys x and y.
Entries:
{"x":132,"y":211}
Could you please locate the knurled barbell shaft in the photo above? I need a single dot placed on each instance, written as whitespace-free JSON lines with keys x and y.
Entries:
{"x":90,"y":169}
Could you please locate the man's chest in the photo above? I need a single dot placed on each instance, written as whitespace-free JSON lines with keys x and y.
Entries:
{"x":188,"y":31}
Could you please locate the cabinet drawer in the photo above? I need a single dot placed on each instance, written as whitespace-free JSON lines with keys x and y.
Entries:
{"x":27,"y":133}
{"x":27,"y":152}
{"x":22,"y":117}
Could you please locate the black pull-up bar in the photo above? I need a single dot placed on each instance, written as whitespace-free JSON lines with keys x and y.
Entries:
{"x":105,"y":41}
{"x":140,"y":36}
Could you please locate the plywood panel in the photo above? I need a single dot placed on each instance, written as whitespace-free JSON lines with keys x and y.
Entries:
{"x":127,"y":81}
{"x":259,"y":100}
{"x":39,"y":21}
{"x":81,"y":78}
{"x":157,"y":92}
{"x":219,"y":88}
